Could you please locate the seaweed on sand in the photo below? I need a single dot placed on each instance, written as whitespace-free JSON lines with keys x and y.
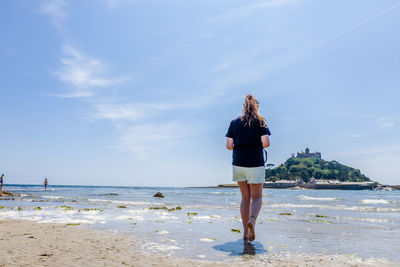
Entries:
{"x":165,"y":208}
{"x":320,"y":221}
{"x":66,"y":207}
{"x":177,"y":208}
{"x":90,"y":209}
{"x":158,"y":208}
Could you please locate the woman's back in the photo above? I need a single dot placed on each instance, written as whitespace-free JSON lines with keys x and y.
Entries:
{"x":247,"y":150}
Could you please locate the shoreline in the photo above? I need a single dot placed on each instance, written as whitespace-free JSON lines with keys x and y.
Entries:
{"x":27,"y":243}
{"x":284,"y":184}
{"x":270,"y":185}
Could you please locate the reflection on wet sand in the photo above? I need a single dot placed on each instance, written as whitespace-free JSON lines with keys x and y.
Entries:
{"x":240,"y":247}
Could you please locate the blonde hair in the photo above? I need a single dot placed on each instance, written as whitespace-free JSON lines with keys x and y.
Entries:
{"x":250,"y":112}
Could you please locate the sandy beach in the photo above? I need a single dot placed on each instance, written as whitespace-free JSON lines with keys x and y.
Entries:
{"x":25,"y":243}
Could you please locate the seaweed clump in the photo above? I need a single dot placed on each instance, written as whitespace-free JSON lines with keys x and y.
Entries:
{"x":66,"y":208}
{"x":165,"y":208}
{"x":90,"y":209}
{"x":320,"y":221}
{"x":285,"y":213}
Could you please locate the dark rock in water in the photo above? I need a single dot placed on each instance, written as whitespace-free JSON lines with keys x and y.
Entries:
{"x":7,"y":194}
{"x":7,"y":198}
{"x":158,"y":194}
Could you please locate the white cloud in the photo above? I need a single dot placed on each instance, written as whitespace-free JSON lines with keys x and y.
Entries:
{"x":83,"y":73}
{"x":133,"y":111}
{"x":55,"y":10}
{"x":387,"y":122}
{"x":75,"y":94}
{"x":138,"y":110}
{"x":118,"y":3}
{"x":377,"y":150}
{"x":118,"y":112}
{"x":145,"y":140}
{"x":247,"y":10}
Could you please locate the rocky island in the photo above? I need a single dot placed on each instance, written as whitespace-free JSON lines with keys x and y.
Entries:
{"x":308,"y":170}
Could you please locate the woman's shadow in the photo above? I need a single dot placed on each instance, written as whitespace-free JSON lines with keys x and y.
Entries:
{"x":239,"y":247}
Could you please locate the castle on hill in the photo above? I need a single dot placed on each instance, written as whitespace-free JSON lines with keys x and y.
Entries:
{"x":306,"y":154}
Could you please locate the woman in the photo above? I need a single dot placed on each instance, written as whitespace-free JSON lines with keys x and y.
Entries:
{"x":246,"y":137}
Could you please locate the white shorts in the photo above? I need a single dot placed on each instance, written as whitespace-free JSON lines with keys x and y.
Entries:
{"x":253,"y":175}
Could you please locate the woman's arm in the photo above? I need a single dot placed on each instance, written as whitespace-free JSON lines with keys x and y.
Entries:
{"x":229,"y":143}
{"x":264,"y":141}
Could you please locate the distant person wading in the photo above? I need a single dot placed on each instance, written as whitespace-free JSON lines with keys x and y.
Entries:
{"x":246,"y":137}
{"x":46,"y":182}
{"x":1,"y":182}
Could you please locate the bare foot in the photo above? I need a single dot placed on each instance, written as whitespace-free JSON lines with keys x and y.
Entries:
{"x":251,"y":226}
{"x":245,"y":234}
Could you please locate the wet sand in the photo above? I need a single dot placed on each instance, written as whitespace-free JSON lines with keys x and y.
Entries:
{"x":25,"y":243}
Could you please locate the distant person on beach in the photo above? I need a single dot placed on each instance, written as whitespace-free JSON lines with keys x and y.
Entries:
{"x":1,"y":182}
{"x":45,"y":183}
{"x":246,"y":137}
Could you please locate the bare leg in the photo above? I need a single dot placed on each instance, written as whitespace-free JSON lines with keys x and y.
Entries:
{"x":245,"y":207}
{"x":255,"y":207}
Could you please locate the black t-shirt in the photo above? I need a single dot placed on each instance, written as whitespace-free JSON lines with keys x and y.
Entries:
{"x":247,"y":149}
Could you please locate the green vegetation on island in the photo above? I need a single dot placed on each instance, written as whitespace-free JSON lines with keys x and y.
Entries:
{"x":307,"y":168}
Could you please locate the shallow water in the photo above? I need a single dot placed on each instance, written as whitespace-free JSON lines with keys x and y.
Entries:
{"x":364,"y":223}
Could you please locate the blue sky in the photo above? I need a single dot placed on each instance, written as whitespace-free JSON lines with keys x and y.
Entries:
{"x":135,"y":92}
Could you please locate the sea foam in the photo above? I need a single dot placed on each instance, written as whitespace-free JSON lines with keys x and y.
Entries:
{"x":126,"y":202}
{"x":375,"y":201}
{"x":302,"y":197}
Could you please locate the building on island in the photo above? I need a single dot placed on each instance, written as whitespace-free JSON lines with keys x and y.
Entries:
{"x":307,"y":154}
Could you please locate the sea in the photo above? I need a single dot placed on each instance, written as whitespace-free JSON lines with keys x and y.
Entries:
{"x":204,"y":223}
